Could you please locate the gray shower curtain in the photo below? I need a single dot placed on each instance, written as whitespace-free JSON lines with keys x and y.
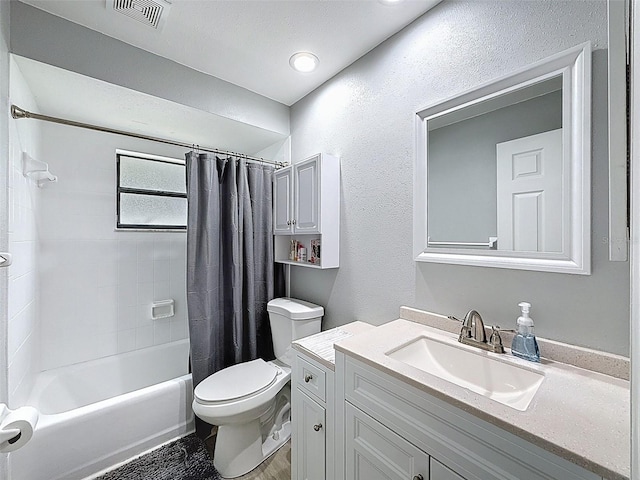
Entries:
{"x":229,"y":261}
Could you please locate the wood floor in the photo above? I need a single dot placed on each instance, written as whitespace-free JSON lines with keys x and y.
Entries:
{"x":276,"y":467}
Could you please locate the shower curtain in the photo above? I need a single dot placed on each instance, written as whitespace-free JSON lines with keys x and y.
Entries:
{"x":230,"y":270}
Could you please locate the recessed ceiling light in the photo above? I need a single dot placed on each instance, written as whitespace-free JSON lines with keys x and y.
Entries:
{"x":390,"y":2}
{"x":304,"y":62}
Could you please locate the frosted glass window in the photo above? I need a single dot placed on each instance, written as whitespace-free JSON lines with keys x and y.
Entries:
{"x":142,"y":173}
{"x":152,"y":210}
{"x":151,"y":192}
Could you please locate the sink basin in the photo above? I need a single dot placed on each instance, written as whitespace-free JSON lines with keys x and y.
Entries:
{"x":503,"y":382}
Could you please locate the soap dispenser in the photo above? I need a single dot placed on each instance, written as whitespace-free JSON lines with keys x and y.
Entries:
{"x":524,"y":342}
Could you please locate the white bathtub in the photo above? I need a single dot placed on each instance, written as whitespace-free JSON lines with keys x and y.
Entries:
{"x":99,"y":413}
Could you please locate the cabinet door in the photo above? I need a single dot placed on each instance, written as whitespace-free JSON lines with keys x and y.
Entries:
{"x":440,"y":472}
{"x":307,"y":196}
{"x":373,"y":452}
{"x":282,"y":191}
{"x":309,"y":446}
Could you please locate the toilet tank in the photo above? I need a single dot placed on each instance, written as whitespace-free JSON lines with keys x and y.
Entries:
{"x":291,"y":319}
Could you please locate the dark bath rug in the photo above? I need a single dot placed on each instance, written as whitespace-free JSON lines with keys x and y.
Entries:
{"x":185,"y":459}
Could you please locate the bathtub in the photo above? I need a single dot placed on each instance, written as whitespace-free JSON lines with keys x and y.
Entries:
{"x":96,"y":414}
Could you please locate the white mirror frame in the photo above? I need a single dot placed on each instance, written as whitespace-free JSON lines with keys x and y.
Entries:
{"x":575,"y":67}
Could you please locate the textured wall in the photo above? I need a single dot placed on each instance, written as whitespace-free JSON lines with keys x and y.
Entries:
{"x":365,"y":115}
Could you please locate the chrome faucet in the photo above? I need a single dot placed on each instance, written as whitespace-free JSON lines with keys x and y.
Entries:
{"x":473,"y":333}
{"x":472,"y":328}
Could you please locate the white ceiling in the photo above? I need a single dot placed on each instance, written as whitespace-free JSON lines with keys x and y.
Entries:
{"x":64,"y":94}
{"x":249,"y":42}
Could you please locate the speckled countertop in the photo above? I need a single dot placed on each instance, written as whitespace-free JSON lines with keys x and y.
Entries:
{"x":320,"y":346}
{"x":577,"y":414}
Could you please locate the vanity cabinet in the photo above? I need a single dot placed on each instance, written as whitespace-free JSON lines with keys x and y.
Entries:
{"x":306,"y":209}
{"x":312,"y":415}
{"x":395,"y":430}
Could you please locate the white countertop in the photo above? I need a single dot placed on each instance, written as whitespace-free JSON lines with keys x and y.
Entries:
{"x":320,"y":346}
{"x":577,"y":414}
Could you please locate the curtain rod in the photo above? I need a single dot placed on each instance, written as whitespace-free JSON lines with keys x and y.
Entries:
{"x":17,"y":113}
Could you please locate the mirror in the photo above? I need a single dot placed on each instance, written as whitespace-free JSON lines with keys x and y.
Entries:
{"x":502,"y":173}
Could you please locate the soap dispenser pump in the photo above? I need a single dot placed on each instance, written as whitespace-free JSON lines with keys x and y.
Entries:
{"x":524,"y":343}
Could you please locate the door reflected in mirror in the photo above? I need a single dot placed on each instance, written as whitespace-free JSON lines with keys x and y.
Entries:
{"x":495,"y":172}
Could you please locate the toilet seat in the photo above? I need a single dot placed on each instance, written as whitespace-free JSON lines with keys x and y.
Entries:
{"x":217,"y":410}
{"x":236,"y":382}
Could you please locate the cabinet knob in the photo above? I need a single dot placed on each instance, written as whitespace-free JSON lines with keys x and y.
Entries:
{"x":307,"y":378}
{"x":318,"y":426}
{"x":288,"y":222}
{"x":293,"y":222}
{"x":418,"y":477}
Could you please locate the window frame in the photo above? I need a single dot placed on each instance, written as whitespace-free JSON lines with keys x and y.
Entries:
{"x":148,"y":192}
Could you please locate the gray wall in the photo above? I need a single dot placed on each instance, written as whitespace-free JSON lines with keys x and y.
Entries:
{"x":53,"y":40}
{"x":365,"y":115}
{"x":462,"y":170}
{"x":4,"y":168}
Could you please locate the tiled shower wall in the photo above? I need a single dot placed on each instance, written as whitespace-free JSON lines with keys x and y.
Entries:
{"x":24,"y":197}
{"x":97,"y":284}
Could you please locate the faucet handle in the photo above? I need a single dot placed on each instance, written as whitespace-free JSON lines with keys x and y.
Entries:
{"x":465,"y":331}
{"x":497,"y":329}
{"x":495,"y":340}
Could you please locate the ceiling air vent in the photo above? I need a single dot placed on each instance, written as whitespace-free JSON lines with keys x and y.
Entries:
{"x":150,"y":12}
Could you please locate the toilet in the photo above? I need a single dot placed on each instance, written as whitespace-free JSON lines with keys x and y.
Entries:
{"x":251,"y":402}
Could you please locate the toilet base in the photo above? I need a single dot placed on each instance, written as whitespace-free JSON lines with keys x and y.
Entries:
{"x":239,"y":448}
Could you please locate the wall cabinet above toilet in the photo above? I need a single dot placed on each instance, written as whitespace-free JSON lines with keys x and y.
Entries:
{"x":306,"y":211}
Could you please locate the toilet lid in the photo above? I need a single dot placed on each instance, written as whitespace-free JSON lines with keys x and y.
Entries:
{"x":236,"y":382}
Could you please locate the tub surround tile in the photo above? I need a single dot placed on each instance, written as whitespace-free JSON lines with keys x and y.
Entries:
{"x":145,"y":293}
{"x":161,"y":331}
{"x":590,"y":429}
{"x":602,"y":362}
{"x":144,"y":336}
{"x":23,"y":286}
{"x":179,"y":329}
{"x":162,"y":268}
{"x":126,"y":340}
{"x":161,"y":291}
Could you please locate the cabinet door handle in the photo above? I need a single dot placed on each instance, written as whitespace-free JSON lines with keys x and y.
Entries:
{"x":318,"y":426}
{"x":418,"y":477}
{"x":307,"y":378}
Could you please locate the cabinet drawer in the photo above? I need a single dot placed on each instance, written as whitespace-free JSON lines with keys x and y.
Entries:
{"x":474,"y":449}
{"x":310,"y":379}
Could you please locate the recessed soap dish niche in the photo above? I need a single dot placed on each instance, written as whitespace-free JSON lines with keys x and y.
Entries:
{"x":162,"y":309}
{"x":37,"y":170}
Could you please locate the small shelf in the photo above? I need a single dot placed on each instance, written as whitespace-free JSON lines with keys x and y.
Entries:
{"x":300,"y":264}
{"x":36,"y":170}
